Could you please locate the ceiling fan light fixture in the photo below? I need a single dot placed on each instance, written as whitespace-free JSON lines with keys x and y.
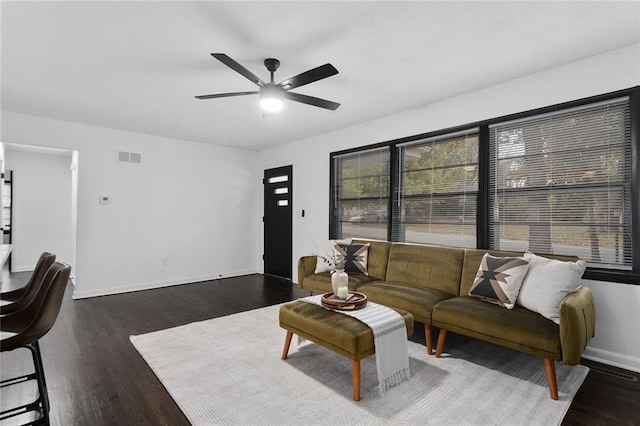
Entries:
{"x":271,"y":94}
{"x":271,"y":98}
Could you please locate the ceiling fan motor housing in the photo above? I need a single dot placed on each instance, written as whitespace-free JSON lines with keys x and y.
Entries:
{"x":272,"y":64}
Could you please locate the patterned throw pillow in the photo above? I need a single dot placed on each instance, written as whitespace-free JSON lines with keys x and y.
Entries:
{"x":499,"y":279}
{"x":356,"y":256}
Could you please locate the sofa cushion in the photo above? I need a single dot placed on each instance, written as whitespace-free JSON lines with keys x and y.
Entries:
{"x":499,"y":279}
{"x":418,"y":301}
{"x":321,"y":283}
{"x":547,"y":283}
{"x":518,"y":328}
{"x":426,"y":267}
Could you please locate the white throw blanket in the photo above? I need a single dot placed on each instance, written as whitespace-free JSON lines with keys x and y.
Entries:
{"x":389,"y":338}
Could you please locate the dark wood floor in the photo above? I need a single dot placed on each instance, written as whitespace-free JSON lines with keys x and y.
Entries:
{"x":96,"y":377}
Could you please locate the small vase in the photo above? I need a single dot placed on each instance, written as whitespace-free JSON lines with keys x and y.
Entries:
{"x":338,"y":279}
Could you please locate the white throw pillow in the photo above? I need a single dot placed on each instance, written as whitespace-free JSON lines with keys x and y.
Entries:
{"x":547,"y":283}
{"x":327,"y":250}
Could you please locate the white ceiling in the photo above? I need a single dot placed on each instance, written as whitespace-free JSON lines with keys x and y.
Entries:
{"x":137,"y":66}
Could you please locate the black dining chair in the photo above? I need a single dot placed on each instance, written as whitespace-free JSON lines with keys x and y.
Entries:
{"x":23,"y":295}
{"x":24,"y":329}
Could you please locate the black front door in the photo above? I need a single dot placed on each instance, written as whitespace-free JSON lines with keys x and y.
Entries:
{"x":278,"y":232}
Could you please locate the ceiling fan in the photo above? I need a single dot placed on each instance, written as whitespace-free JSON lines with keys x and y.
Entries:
{"x":272,"y":94}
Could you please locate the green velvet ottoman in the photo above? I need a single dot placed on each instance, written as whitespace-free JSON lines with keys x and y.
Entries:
{"x":339,"y":333}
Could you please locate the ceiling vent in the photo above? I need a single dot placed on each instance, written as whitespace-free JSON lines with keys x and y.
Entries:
{"x":128,"y":157}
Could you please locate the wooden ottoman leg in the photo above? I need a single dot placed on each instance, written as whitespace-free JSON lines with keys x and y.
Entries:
{"x":355,"y":372}
{"x":287,"y":343}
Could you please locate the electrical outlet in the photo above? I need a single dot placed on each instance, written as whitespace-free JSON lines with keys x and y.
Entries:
{"x":165,"y":261}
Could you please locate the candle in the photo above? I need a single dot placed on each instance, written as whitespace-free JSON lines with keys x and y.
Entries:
{"x":343,"y":292}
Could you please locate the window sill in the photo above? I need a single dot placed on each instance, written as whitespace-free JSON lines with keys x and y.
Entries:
{"x":624,"y":277}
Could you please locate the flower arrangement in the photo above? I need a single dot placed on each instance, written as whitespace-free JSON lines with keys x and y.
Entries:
{"x":336,"y":261}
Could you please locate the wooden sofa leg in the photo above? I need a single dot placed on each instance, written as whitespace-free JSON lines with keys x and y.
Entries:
{"x":428,"y":339}
{"x":550,"y":368}
{"x":441,"y":338}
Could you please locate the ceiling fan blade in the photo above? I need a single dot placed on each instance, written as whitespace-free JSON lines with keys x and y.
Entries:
{"x":315,"y":74}
{"x":310,"y":100}
{"x":238,"y":68}
{"x":226,"y":95}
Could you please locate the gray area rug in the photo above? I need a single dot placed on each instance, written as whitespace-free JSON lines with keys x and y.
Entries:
{"x":228,"y":371}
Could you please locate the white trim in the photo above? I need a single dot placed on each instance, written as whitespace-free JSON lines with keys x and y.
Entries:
{"x":159,"y":284}
{"x":614,"y":359}
{"x":23,"y":268}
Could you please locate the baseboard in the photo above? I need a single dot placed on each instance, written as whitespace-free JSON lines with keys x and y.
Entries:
{"x":614,"y":359}
{"x":23,"y":268}
{"x":157,"y":284}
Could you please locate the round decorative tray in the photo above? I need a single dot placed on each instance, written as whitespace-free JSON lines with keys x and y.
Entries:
{"x":354,"y":301}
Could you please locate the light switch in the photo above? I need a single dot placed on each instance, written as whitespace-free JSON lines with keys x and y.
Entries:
{"x":105,"y":199}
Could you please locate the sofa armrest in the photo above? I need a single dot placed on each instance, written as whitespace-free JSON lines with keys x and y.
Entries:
{"x":306,"y":267}
{"x":577,"y":324}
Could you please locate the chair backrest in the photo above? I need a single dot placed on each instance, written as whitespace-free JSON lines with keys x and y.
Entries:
{"x":36,"y":319}
{"x":33,"y":286}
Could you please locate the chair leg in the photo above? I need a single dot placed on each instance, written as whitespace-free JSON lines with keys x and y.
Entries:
{"x":441,"y":338}
{"x":428,"y":339}
{"x":42,"y":402}
{"x":550,"y":369}
{"x":41,"y":378}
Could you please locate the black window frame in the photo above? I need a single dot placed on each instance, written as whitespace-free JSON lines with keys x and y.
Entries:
{"x":483,"y":226}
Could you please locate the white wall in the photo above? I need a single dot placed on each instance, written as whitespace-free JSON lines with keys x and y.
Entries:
{"x":189,"y":203}
{"x":618,"y":305}
{"x":41,"y":207}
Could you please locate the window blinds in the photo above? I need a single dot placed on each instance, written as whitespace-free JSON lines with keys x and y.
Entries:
{"x":560,"y":183}
{"x":361,"y":194}
{"x":438,"y":190}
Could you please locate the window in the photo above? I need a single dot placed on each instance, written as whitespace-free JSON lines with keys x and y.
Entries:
{"x":361,"y":194}
{"x":438,"y":190}
{"x":559,"y":180}
{"x":561,"y":183}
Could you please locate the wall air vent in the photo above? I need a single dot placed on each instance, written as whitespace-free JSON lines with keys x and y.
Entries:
{"x":128,"y":157}
{"x":135,"y":157}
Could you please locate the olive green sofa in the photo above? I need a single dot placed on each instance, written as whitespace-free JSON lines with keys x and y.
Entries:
{"x":433,"y":283}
